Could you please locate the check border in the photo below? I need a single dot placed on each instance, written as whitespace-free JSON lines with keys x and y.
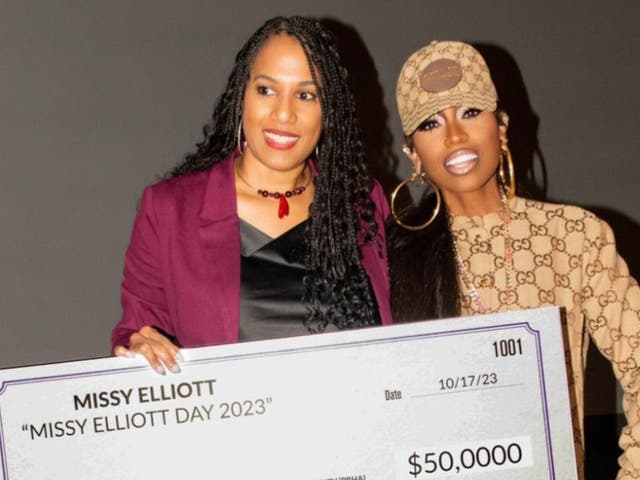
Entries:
{"x":285,"y":351}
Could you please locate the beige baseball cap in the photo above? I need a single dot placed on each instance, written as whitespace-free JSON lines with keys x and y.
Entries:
{"x":441,"y":75}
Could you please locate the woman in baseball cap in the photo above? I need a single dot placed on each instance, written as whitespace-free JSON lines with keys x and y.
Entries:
{"x":496,"y":251}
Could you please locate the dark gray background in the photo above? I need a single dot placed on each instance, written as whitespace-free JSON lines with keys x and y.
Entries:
{"x":99,"y":98}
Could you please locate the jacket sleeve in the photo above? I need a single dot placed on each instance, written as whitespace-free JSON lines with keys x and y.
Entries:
{"x":142,"y":292}
{"x":611,"y":305}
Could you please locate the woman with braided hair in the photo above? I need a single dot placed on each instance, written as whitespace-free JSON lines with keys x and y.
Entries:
{"x":496,"y":251}
{"x":272,"y":227}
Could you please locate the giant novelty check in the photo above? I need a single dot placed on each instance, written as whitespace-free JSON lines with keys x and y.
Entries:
{"x":483,"y":397}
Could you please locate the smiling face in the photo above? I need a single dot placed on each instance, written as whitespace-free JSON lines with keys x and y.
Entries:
{"x":282,"y":117}
{"x":459,"y":149}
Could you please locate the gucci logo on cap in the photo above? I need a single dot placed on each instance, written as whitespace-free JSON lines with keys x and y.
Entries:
{"x":440,"y":75}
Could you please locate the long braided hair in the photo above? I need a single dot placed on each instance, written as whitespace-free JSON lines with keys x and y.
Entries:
{"x":337,"y":289}
{"x":422,"y":267}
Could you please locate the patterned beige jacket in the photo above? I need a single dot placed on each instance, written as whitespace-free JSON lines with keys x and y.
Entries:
{"x":565,"y":256}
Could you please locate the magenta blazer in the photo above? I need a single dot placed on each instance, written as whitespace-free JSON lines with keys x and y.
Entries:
{"x":182,"y":266}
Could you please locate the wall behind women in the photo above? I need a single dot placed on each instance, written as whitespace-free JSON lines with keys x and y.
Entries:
{"x":98,"y":99}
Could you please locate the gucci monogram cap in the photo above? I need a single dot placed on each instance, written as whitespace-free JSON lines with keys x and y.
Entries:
{"x":440,"y":75}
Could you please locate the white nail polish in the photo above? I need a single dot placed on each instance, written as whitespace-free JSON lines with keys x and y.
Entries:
{"x":175,"y":368}
{"x":179,"y":356}
{"x":160,"y":370}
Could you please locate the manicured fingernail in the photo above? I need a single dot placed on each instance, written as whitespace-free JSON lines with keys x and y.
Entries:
{"x":129,"y":354}
{"x":160,"y":370}
{"x":178,"y":356}
{"x":175,"y":368}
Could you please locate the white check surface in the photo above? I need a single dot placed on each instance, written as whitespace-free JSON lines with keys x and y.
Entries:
{"x":483,"y":397}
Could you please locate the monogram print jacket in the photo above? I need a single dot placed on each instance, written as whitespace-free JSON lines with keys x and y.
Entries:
{"x":566,"y":256}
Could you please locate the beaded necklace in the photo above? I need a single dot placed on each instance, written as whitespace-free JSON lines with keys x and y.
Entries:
{"x":466,"y":278}
{"x":283,"y":204}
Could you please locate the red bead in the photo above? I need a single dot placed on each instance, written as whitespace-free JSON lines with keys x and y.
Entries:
{"x":283,"y":207}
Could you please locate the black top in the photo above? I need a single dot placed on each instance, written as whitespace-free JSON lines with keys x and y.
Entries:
{"x":271,"y":289}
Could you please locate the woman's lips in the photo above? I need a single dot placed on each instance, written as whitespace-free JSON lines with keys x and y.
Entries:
{"x":461,"y":162}
{"x":280,"y":140}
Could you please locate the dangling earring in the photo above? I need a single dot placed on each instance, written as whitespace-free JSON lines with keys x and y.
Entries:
{"x":422,"y":179}
{"x":509,"y":185}
{"x":239,"y":139}
{"x":317,"y":152}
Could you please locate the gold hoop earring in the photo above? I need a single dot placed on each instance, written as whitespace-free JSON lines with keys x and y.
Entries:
{"x":422,"y":179}
{"x":509,"y":185}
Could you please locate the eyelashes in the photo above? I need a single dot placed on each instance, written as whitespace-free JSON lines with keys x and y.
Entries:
{"x":471,"y":112}
{"x":307,"y":96}
{"x":304,"y":95}
{"x":436,"y":120}
{"x":428,"y":124}
{"x":263,"y":90}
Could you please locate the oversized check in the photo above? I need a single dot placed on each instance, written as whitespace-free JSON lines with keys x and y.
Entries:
{"x":483,"y":397}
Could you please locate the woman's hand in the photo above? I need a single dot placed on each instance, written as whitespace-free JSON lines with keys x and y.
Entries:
{"x":160,"y":352}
